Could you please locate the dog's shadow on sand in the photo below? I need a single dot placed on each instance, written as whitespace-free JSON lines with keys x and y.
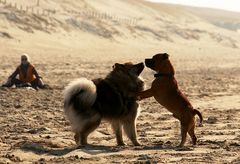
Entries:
{"x":43,"y":148}
{"x":40,"y":149}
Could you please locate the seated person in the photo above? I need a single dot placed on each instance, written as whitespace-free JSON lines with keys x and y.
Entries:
{"x":27,"y":75}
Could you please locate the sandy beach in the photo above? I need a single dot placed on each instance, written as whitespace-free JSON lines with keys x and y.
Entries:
{"x":78,"y":40}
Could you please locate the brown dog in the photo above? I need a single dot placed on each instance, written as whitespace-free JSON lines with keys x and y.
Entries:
{"x":165,"y":91}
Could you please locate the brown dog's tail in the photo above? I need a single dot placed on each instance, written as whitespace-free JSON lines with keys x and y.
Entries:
{"x":196,"y":112}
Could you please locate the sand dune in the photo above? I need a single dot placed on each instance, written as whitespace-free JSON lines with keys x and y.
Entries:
{"x":72,"y":39}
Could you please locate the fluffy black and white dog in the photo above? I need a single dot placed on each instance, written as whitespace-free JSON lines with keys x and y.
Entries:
{"x":87,"y":102}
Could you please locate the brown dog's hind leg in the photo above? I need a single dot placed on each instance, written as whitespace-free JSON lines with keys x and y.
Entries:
{"x":192,"y":135}
{"x":117,"y":129}
{"x":184,"y":131}
{"x":187,"y":126}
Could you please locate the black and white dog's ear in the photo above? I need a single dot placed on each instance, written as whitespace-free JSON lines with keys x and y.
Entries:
{"x":137,"y":69}
{"x":165,"y":56}
{"x":116,"y":65}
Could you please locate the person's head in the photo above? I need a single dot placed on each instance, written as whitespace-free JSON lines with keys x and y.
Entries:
{"x":25,"y":59}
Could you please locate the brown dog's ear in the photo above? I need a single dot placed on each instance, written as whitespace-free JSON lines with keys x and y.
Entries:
{"x":165,"y":56}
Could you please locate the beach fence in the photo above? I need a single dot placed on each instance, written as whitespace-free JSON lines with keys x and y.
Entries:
{"x":90,"y":14}
{"x":36,"y":9}
{"x":28,"y":9}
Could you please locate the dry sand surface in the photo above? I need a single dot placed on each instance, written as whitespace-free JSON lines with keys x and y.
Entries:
{"x":65,"y":46}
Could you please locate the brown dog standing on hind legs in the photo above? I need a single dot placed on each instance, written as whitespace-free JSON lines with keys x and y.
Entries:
{"x":165,"y":90}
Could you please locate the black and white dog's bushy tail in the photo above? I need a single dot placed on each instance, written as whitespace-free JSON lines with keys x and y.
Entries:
{"x":79,"y":95}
